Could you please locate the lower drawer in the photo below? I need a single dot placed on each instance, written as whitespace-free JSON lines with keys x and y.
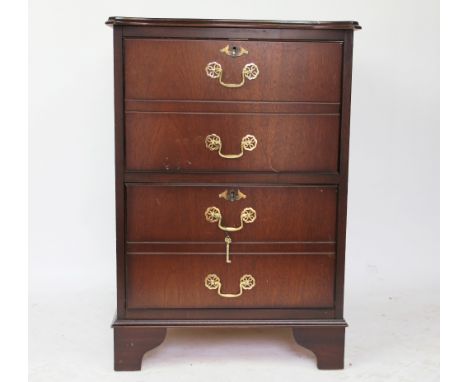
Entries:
{"x":179,"y":213}
{"x":250,"y":281}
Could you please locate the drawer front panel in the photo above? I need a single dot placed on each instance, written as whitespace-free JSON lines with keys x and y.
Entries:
{"x":287,"y":71}
{"x":171,"y":142}
{"x":185,"y":213}
{"x":275,"y":282}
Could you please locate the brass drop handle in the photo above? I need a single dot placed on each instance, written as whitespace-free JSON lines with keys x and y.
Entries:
{"x":246,"y":282}
{"x":213,"y":143}
{"x":213,"y":215}
{"x":215,"y":70}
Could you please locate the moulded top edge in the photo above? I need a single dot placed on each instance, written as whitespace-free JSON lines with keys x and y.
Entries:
{"x":207,"y":23}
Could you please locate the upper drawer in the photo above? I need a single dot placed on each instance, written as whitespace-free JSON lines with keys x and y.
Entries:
{"x":270,"y":71}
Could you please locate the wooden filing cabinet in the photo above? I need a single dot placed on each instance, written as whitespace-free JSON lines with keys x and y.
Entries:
{"x":231,"y":147}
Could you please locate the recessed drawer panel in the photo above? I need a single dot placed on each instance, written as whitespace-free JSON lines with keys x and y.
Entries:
{"x":261,"y":281}
{"x":278,"y":143}
{"x":247,"y":213}
{"x":198,"y":69}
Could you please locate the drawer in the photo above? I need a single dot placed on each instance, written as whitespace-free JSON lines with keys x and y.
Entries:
{"x":203,"y":281}
{"x":213,"y":142}
{"x":180,"y":70}
{"x":199,"y":213}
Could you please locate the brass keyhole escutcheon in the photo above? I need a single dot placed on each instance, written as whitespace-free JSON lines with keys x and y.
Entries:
{"x":232,"y":195}
{"x":234,"y":51}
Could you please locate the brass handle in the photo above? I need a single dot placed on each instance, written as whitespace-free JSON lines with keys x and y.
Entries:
{"x":213,"y":143}
{"x":213,"y":215}
{"x":213,"y":281}
{"x":215,"y":70}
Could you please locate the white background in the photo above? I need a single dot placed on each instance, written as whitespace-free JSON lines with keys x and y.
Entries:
{"x":393,"y":239}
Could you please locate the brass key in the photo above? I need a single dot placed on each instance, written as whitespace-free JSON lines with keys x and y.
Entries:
{"x":228,"y":241}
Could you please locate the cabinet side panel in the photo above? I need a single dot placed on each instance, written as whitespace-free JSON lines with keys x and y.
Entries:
{"x":119,"y":169}
{"x":343,"y":186}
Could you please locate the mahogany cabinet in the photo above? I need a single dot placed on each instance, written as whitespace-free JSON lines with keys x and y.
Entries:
{"x":231,"y":158}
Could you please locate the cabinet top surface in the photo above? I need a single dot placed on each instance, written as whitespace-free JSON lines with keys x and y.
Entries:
{"x":142,"y":21}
